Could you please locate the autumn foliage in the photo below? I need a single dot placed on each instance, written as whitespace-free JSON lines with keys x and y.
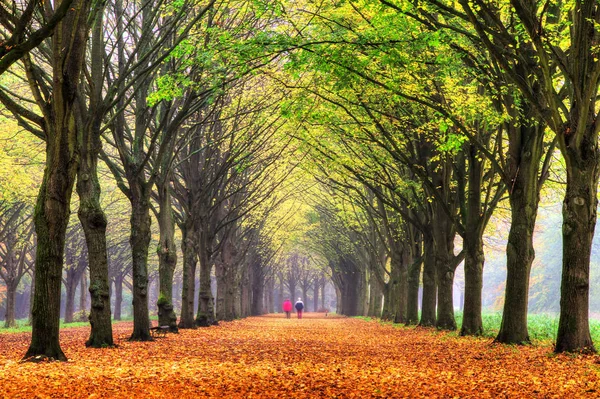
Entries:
{"x":316,"y":357}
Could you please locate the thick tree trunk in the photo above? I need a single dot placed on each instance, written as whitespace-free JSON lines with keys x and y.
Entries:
{"x":443,"y":238}
{"x":140,"y":241}
{"x":390,"y":301}
{"x":579,"y":222}
{"x":472,"y":322}
{"x":54,"y":199}
{"x":11,"y":294}
{"x":473,"y":248}
{"x":524,"y":198}
{"x":167,"y":259}
{"x":429,"y":285}
{"x":91,"y":215}
{"x":51,"y":219}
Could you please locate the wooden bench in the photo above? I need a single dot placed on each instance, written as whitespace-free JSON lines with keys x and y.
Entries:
{"x":160,"y":331}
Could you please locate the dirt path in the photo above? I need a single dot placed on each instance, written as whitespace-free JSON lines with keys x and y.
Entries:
{"x":316,"y":357}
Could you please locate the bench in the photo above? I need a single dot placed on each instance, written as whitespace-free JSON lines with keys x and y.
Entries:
{"x":160,"y":331}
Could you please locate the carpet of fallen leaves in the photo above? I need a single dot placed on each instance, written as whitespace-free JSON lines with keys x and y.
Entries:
{"x":316,"y":357}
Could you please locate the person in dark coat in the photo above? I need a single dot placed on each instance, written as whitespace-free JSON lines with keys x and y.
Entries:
{"x":299,"y":307}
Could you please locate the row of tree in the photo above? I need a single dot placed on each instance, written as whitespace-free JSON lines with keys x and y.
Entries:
{"x":420,"y":119}
{"x":167,"y":96}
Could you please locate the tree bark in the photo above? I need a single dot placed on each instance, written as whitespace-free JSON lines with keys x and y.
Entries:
{"x":53,"y":204}
{"x":11,"y":294}
{"x":118,"y":297}
{"x":414,"y":274}
{"x":205,"y":315}
{"x":258,"y":286}
{"x":140,"y":241}
{"x":525,"y":152}
{"x":91,"y":216}
{"x":429,"y":285}
{"x":316,"y":295}
{"x":83,"y":292}
{"x":443,"y":244}
{"x":473,"y":247}
{"x":167,"y":258}
{"x":270,"y":295}
{"x":70,"y":287}
{"x":190,"y":259}
{"x":474,"y":258}
{"x":579,"y":222}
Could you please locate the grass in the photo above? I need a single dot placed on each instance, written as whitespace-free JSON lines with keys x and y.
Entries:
{"x":542,"y":327}
{"x":22,"y":325}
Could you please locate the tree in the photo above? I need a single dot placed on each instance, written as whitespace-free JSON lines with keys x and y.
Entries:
{"x":16,"y":258}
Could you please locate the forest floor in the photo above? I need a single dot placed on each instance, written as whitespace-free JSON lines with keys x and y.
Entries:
{"x":316,"y":357}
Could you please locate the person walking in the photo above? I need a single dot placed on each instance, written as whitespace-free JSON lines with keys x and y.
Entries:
{"x":299,"y":307}
{"x":287,"y":308}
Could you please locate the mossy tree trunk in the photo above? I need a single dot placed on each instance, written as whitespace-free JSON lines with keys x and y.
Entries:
{"x":53,"y":203}
{"x":91,"y":215}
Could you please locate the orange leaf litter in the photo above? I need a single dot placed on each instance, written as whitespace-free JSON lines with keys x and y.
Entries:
{"x":316,"y":357}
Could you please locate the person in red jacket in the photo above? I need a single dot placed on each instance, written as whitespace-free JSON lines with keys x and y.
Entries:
{"x":287,"y":308}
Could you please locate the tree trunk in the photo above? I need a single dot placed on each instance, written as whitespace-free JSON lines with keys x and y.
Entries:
{"x":524,"y":197}
{"x":323,"y":283}
{"x":91,"y":215}
{"x":474,"y":258}
{"x":392,"y":290}
{"x":245,"y":292}
{"x":205,"y":315}
{"x":412,"y":300}
{"x":316,"y":295}
{"x":118,"y":297}
{"x":11,"y":293}
{"x":443,"y":244}
{"x":188,"y":283}
{"x":54,"y":199}
{"x":405,"y":260}
{"x":579,"y":221}
{"x":258,"y":286}
{"x":70,"y":288}
{"x":429,"y":285}
{"x":270,"y":295}
{"x":140,"y":241}
{"x":293,"y":296}
{"x":83,"y":292}
{"x":473,"y":248}
{"x":167,"y":259}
